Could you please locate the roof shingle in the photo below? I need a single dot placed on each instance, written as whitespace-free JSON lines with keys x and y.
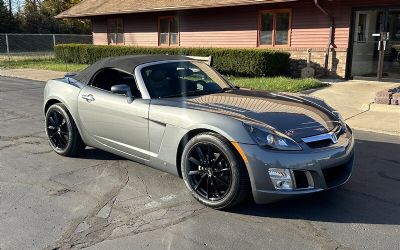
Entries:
{"x":89,"y":8}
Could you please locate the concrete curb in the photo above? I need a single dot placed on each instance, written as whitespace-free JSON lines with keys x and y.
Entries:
{"x":23,"y":78}
{"x":31,"y":74}
{"x":381,"y":108}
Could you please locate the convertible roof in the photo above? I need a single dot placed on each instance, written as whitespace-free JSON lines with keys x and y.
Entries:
{"x":124,"y":63}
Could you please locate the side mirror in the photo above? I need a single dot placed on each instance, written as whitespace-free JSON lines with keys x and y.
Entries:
{"x":123,"y":89}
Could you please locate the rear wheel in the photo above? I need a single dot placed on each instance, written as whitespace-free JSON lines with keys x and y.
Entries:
{"x":213,"y":172}
{"x":62,"y":132}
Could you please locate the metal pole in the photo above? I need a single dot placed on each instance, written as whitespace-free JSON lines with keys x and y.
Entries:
{"x":54,"y":40}
{"x":8,"y":47}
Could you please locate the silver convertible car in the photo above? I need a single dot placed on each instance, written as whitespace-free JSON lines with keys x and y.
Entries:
{"x":181,"y":116}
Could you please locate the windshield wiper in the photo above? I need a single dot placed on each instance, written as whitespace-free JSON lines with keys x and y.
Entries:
{"x":190,"y":93}
{"x":223,"y":90}
{"x":174,"y":95}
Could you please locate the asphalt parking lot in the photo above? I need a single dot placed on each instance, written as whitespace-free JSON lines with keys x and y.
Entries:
{"x":102,"y":201}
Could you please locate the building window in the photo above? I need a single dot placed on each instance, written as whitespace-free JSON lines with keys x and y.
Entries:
{"x":115,"y":31}
{"x":274,"y":27}
{"x":168,"y":31}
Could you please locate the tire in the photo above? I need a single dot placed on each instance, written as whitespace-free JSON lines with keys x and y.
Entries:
{"x":61,"y":131}
{"x":202,"y":176}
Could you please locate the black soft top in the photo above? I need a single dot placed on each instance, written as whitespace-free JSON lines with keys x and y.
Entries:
{"x":125,"y":63}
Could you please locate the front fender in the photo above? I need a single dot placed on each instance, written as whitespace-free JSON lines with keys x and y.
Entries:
{"x":232,"y":131}
{"x":67,"y":94}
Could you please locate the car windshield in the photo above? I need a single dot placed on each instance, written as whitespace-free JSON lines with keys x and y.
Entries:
{"x":183,"y":78}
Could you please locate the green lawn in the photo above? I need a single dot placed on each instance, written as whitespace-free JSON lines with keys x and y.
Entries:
{"x":280,"y":83}
{"x":49,"y":64}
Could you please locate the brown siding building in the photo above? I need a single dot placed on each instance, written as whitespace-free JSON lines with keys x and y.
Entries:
{"x":347,"y":38}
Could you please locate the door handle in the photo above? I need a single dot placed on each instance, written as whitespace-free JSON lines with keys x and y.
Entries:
{"x":89,"y":98}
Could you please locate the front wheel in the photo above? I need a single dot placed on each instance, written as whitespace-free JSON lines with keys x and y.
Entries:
{"x":62,"y":133}
{"x":213,"y":171}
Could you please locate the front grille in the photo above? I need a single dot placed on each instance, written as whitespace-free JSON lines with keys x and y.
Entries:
{"x":325,"y":140}
{"x":320,"y":144}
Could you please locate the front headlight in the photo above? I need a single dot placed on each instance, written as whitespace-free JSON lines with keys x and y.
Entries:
{"x":271,"y":139}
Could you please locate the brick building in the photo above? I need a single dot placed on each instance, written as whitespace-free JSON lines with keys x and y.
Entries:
{"x":348,"y":38}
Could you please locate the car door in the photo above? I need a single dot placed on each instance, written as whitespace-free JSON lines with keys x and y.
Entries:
{"x":113,"y":122}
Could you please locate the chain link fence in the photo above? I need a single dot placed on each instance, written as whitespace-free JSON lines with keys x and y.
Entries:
{"x":26,"y":46}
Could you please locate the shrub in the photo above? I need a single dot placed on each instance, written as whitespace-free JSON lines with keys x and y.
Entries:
{"x":236,"y":62}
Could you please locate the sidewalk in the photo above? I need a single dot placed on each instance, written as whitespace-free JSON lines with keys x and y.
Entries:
{"x":353,"y":99}
{"x":32,"y":74}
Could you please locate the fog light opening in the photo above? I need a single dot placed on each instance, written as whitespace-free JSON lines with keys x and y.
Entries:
{"x":282,"y":179}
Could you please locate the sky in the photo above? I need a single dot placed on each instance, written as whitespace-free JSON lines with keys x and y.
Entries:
{"x":15,"y":4}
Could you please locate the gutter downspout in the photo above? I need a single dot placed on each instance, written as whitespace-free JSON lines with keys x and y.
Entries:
{"x":331,"y":42}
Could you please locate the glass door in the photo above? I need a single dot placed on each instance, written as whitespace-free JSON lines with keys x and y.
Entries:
{"x":376,"y":44}
{"x":391,"y":46}
{"x":367,"y":30}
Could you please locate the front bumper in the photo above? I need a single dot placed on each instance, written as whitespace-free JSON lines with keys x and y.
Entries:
{"x":329,"y":167}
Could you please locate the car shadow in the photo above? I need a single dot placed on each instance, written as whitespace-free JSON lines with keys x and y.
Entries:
{"x":98,"y":154}
{"x":372,"y":195}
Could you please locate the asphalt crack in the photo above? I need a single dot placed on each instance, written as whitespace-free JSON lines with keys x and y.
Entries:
{"x":110,"y":219}
{"x":72,"y":239}
{"x":145,"y":186}
{"x":360,"y":113}
{"x":14,"y":141}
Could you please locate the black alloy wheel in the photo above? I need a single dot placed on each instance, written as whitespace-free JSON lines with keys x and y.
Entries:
{"x":209,"y":173}
{"x":57,"y":130}
{"x":214,"y":172}
{"x":62,"y":133}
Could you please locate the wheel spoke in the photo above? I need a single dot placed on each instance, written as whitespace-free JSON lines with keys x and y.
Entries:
{"x":53,"y":135}
{"x":62,"y":139}
{"x":63,"y":122}
{"x":194,"y":172}
{"x":217,"y":160}
{"x":65,"y":135}
{"x":200,"y":181}
{"x":221,"y":181}
{"x":52,"y":131}
{"x":55,"y":140}
{"x":194,"y":161}
{"x":215,"y":187}
{"x":50,"y":127}
{"x":51,"y":120}
{"x":208,"y":189}
{"x":221,"y":170}
{"x":200,"y":152}
{"x":209,"y":153}
{"x":56,"y":119}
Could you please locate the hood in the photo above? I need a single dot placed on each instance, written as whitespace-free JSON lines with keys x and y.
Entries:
{"x":293,"y":115}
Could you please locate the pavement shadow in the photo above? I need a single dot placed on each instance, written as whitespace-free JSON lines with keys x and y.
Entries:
{"x":372,"y":195}
{"x":98,"y":154}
